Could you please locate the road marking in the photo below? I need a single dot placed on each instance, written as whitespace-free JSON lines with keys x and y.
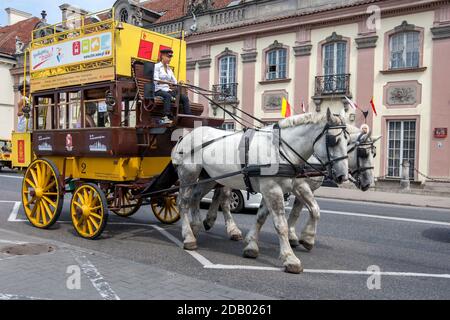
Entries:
{"x":97,"y":280}
{"x":5,"y":296}
{"x":11,"y":177}
{"x":11,"y":242}
{"x":14,"y":212}
{"x":206,"y":264}
{"x":324,"y":271}
{"x":441,"y":223}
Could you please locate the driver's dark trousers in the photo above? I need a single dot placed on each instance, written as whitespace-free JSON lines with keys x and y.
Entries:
{"x":167,"y":96}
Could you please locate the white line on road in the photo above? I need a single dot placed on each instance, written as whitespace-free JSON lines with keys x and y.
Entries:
{"x":441,"y":223}
{"x":11,"y":242}
{"x":11,"y":177}
{"x":14,"y":212}
{"x":5,"y":296}
{"x":97,"y":280}
{"x":320,"y":271}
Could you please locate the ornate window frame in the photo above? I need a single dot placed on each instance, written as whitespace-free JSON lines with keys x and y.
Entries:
{"x":404,"y":27}
{"x":332,"y":39}
{"x":275,"y":46}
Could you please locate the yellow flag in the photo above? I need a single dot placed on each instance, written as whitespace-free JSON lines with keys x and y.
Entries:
{"x":285,"y":108}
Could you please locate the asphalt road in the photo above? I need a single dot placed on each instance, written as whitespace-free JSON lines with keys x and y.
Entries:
{"x":411,"y":246}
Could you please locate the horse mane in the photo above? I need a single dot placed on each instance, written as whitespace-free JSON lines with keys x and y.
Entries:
{"x":308,"y":118}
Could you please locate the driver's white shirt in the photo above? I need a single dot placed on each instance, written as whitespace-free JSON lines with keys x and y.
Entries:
{"x":161,"y":74}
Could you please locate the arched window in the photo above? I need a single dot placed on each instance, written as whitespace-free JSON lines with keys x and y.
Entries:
{"x":335,"y":66}
{"x":227,"y":75}
{"x":404,"y":48}
{"x":276,"y":64}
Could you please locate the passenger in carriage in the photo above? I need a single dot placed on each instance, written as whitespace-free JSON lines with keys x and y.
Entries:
{"x":168,"y":92}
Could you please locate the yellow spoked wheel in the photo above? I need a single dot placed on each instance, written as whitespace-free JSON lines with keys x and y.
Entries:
{"x":131,"y":206}
{"x":89,"y":211}
{"x":41,"y":196}
{"x":165,"y":209}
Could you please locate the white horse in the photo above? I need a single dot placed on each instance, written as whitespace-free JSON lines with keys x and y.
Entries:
{"x":301,"y":137}
{"x":361,"y":151}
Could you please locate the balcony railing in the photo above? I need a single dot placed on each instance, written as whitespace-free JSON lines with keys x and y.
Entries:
{"x":225,"y":92}
{"x":333,"y":84}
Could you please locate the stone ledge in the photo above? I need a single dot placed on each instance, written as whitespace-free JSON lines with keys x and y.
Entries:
{"x":366,"y":42}
{"x":442,"y":32}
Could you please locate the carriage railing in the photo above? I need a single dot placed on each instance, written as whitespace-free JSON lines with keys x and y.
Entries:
{"x":333,"y":84}
{"x":73,"y":28}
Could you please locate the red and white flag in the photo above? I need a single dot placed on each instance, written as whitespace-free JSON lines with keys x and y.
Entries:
{"x":303,"y":107}
{"x":351,"y":103}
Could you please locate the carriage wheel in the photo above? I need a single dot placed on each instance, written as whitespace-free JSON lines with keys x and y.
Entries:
{"x":128,"y":201}
{"x":89,"y":211}
{"x":41,"y":196}
{"x":165,"y":209}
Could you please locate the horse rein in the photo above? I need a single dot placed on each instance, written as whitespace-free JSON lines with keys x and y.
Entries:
{"x":331,"y":141}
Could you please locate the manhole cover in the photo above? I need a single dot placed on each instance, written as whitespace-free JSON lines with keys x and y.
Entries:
{"x":28,"y":249}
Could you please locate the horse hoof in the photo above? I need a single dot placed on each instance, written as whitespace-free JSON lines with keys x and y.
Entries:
{"x":236,"y":237}
{"x":294,"y":243}
{"x":306,"y":245}
{"x":191,"y":246}
{"x":206,"y":225}
{"x":293,"y":268}
{"x":251,"y":253}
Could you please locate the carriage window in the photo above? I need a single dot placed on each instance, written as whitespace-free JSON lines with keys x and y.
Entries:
{"x":128,"y":114}
{"x":62,"y":112}
{"x":96,"y":114}
{"x":74,"y":104}
{"x":43,"y":109}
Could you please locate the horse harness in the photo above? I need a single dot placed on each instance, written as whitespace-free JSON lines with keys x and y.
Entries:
{"x":363,"y":149}
{"x":289,"y":170}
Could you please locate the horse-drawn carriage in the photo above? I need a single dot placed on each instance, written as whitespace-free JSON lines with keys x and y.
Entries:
{"x":96,"y":123}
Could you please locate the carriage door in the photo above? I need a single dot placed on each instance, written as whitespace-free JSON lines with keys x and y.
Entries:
{"x":228,"y":86}
{"x":335,"y":66}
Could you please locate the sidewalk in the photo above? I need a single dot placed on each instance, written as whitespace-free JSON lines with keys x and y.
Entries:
{"x":384,"y":197}
{"x":46,"y":276}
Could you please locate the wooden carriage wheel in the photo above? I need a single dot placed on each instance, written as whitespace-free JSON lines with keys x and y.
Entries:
{"x":42,"y":198}
{"x":135,"y":204}
{"x":89,"y":211}
{"x":165,"y":209}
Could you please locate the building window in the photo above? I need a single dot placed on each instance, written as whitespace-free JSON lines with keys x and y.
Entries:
{"x":335,"y":66}
{"x":276,"y":64}
{"x":405,"y":50}
{"x":228,"y":126}
{"x":401,"y":147}
{"x":227,"y":77}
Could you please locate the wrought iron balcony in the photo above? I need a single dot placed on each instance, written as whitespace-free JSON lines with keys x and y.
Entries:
{"x":333,"y":84}
{"x":225,"y":92}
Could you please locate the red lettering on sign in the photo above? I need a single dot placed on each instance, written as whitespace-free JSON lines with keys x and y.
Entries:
{"x":145,"y":50}
{"x":21,"y":151}
{"x":76,"y":48}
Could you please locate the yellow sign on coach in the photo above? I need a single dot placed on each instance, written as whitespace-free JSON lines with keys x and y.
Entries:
{"x":71,"y":79}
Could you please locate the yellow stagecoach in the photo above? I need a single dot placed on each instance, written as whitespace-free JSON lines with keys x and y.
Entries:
{"x":97,"y":132}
